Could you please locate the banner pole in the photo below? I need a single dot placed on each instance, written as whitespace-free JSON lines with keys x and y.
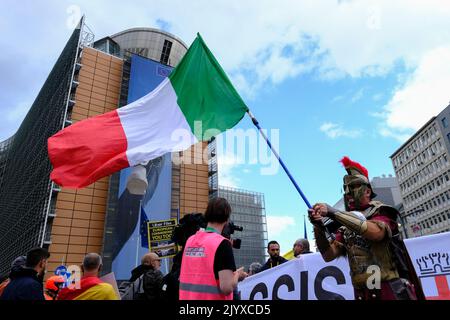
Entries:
{"x":139,"y":233}
{"x":256,"y":123}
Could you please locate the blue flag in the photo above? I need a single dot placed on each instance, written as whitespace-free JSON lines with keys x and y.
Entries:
{"x":143,"y":228}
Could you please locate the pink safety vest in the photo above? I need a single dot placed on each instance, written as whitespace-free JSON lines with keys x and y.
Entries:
{"x":197,"y":280}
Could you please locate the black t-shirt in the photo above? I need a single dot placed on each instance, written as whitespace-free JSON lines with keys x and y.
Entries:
{"x":224,"y":258}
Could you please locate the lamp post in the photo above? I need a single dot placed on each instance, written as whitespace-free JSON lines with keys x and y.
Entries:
{"x":137,"y":184}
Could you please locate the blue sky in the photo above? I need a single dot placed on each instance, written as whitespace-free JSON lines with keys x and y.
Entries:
{"x":335,"y":78}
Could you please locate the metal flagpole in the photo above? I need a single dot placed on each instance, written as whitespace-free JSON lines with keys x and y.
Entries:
{"x":139,"y":233}
{"x":256,"y":123}
{"x":304,"y":226}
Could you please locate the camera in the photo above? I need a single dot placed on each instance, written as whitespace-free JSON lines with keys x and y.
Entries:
{"x":228,"y":230}
{"x":191,"y":223}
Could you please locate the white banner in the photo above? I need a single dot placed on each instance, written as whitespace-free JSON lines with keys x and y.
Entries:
{"x":306,"y":278}
{"x":431,"y":258}
{"x":311,"y":278}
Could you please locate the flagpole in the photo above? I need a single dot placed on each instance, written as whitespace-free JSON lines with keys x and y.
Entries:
{"x":304,"y":226}
{"x":256,"y":123}
{"x":139,"y":233}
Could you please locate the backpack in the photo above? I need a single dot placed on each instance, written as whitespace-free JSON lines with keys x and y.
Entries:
{"x":132,"y":290}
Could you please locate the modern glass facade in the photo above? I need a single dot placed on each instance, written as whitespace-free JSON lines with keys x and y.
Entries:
{"x":248,"y":211}
{"x":84,"y":82}
{"x":108,"y":45}
{"x":25,"y":184}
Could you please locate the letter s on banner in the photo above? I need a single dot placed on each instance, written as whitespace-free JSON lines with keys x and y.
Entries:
{"x":330,"y":271}
{"x":284,"y":280}
{"x":260,"y":288}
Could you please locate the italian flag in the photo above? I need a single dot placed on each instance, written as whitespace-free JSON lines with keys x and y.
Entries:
{"x":196,"y":102}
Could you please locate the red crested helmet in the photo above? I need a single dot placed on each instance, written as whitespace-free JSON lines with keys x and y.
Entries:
{"x":53,"y":282}
{"x":356,"y":173}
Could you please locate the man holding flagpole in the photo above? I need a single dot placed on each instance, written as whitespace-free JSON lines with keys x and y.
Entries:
{"x":379,"y":266}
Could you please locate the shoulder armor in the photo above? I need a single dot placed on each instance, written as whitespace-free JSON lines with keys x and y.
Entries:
{"x":377,"y":205}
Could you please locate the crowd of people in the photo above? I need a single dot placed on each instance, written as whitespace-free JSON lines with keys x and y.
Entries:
{"x":26,"y":280}
{"x":365,"y":232}
{"x":204,"y":269}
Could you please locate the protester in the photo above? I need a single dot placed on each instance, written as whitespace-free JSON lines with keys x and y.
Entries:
{"x":254,"y":268}
{"x":16,"y":266}
{"x":26,"y":281}
{"x":273,"y":249}
{"x":153,"y":278}
{"x":208,"y":270}
{"x":52,"y":287}
{"x":142,"y":268}
{"x":369,"y":237}
{"x":188,"y":225}
{"x":301,"y":246}
{"x":133,"y":289}
{"x":90,"y":287}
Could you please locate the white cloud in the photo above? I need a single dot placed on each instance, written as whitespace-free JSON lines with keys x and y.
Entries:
{"x":357,"y":96}
{"x":259,"y":43}
{"x":400,"y":137}
{"x":377,"y":97}
{"x":276,"y":225}
{"x":334,"y":130}
{"x":423,"y":95}
{"x":337,"y":98}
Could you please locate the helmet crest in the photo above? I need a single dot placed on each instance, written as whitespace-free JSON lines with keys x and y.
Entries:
{"x":350,"y":165}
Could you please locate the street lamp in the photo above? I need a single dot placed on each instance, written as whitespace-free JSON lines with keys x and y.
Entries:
{"x":137,"y":184}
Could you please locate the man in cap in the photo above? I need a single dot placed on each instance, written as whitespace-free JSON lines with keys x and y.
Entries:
{"x":16,"y":267}
{"x":380,"y":268}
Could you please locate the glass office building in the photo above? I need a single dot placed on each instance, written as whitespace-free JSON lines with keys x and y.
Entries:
{"x":89,"y":78}
{"x":248,"y":211}
{"x":26,"y":189}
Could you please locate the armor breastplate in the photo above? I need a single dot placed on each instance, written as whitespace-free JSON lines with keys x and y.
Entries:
{"x":363,"y":253}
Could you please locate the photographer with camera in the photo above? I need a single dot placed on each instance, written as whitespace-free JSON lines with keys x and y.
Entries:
{"x":208,"y":270}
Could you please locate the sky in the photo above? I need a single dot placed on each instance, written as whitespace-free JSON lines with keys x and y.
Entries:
{"x":324,"y":78}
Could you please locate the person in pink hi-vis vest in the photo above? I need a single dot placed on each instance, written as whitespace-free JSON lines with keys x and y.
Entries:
{"x":208,"y":270}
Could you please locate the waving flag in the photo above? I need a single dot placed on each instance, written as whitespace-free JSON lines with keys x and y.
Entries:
{"x":143,"y":230}
{"x":196,"y":94}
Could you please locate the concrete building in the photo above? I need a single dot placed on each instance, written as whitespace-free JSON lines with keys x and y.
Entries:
{"x":423,"y":171}
{"x":386,"y":188}
{"x":388,"y":192}
{"x":89,"y":78}
{"x":248,"y":211}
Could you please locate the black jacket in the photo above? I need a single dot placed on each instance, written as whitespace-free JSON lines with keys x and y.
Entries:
{"x":139,"y":271}
{"x":24,"y":285}
{"x":153,"y":281}
{"x":270,"y":264}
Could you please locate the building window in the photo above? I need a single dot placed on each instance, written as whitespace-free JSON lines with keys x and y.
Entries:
{"x":166,"y":52}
